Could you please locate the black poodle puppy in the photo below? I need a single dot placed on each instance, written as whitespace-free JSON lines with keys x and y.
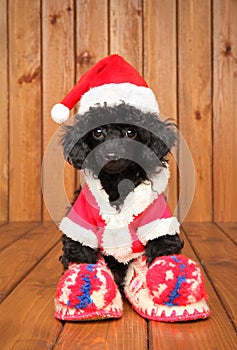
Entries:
{"x":122,"y":147}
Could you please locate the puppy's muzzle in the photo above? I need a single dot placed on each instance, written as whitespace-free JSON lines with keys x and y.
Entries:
{"x":112,"y":150}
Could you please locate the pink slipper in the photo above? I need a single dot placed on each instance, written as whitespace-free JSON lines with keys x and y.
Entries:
{"x":87,"y":292}
{"x":170,"y":290}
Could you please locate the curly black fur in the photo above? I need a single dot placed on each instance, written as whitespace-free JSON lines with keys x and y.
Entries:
{"x":165,"y":245}
{"x":157,"y":135}
{"x":75,"y":252}
{"x":107,"y":131}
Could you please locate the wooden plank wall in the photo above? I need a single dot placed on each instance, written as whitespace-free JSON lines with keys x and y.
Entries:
{"x":187,"y":52}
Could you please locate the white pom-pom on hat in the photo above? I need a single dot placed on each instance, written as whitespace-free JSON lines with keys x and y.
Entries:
{"x":60,"y":113}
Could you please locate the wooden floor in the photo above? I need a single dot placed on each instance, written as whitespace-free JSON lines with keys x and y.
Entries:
{"x":30,"y":271}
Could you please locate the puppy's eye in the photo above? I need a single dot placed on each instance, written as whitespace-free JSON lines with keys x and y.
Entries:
{"x":131,"y":133}
{"x":98,"y":133}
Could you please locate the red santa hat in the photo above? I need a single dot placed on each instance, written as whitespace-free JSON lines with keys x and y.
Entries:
{"x":112,"y":81}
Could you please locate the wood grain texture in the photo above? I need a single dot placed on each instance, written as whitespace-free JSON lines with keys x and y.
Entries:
{"x":27,"y":315}
{"x":92,"y":33}
{"x":126,"y":36}
{"x":214,"y":333}
{"x":194,"y":101}
{"x":11,"y":232}
{"x":225,"y":110}
{"x":25,"y":110}
{"x":160,"y":68}
{"x":219,"y":255}
{"x":230,"y":228}
{"x":19,"y":258}
{"x":129,"y":332}
{"x":58,"y":79}
{"x":3,"y":113}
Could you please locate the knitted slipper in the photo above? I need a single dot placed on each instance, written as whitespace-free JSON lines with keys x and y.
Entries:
{"x":87,"y":292}
{"x":170,"y":290}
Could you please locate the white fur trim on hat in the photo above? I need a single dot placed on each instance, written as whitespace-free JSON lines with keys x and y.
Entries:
{"x":60,"y":113}
{"x":140,"y":97}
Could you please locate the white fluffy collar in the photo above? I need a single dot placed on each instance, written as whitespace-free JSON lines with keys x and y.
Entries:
{"x":134,"y":204}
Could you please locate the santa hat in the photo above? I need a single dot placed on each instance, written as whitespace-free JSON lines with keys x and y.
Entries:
{"x":112,"y":81}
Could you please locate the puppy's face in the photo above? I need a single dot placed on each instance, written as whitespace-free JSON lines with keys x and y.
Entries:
{"x":112,"y":149}
{"x":112,"y":139}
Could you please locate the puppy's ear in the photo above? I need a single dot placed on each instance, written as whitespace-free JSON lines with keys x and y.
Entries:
{"x":75,"y":149}
{"x":164,"y":138}
{"x":77,"y":155}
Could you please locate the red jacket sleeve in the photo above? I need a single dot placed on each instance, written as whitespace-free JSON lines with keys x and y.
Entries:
{"x":155,"y":221}
{"x":81,"y":223}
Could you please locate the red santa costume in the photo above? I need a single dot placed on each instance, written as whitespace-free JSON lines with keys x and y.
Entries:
{"x":121,"y":233}
{"x":172,"y":288}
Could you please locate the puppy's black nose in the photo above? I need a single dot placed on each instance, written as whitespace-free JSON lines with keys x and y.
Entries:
{"x":110,"y":156}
